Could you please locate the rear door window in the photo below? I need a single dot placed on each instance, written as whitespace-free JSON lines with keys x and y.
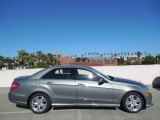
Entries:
{"x":60,"y":73}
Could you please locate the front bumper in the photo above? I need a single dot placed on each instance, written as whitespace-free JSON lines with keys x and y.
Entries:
{"x":149,"y":105}
{"x":148,"y":99}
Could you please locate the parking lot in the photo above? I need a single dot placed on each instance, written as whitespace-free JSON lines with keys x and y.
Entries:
{"x":9,"y":111}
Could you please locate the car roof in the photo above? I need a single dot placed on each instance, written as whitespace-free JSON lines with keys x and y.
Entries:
{"x":40,"y":73}
{"x":70,"y":66}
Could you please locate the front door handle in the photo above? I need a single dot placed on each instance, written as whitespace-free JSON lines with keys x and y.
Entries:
{"x":81,"y":85}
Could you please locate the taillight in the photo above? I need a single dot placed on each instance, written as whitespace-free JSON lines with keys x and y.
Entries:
{"x":15,"y":85}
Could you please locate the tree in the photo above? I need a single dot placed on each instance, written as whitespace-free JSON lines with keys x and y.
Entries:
{"x":83,"y":59}
{"x":1,"y":65}
{"x":1,"y":58}
{"x":82,"y":55}
{"x":128,"y":62}
{"x":149,"y":60}
{"x":115,"y":55}
{"x":121,"y":61}
{"x":78,"y":59}
{"x":31,"y":59}
{"x":1,"y":62}
{"x":41,"y":65}
{"x":22,"y":58}
{"x":51,"y":60}
{"x":128,"y":54}
{"x":40,"y":56}
{"x":10,"y":65}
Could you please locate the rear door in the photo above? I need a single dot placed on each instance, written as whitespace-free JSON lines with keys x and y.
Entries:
{"x":62,"y":84}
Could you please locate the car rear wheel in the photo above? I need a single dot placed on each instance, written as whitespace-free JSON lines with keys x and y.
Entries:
{"x":132,"y":102}
{"x":40,"y":103}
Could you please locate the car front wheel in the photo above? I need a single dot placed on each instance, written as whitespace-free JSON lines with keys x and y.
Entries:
{"x":132,"y":102}
{"x":40,"y":103}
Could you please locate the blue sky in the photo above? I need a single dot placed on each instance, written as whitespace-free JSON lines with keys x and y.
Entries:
{"x":79,"y":26}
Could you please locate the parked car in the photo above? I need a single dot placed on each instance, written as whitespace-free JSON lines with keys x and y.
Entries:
{"x":73,"y":85}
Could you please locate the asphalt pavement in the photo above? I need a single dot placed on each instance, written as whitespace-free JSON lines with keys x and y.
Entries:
{"x":9,"y":111}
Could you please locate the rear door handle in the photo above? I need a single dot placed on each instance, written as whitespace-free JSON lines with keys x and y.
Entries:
{"x":50,"y":83}
{"x":81,"y":85}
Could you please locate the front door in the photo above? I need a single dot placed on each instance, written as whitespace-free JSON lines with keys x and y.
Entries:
{"x":89,"y":92}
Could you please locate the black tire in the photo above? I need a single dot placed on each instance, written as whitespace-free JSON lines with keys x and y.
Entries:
{"x":47,"y":103}
{"x":127,"y":108}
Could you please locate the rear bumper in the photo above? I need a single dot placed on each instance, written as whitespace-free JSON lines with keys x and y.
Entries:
{"x":18,"y":99}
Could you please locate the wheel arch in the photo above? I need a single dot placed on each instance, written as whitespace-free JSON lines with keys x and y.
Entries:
{"x":36,"y":93}
{"x":134,"y":92}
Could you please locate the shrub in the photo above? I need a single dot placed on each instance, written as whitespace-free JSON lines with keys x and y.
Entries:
{"x":41,"y":65}
{"x":149,"y":60}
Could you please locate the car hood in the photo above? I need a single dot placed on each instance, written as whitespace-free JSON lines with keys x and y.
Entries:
{"x":126,"y":81}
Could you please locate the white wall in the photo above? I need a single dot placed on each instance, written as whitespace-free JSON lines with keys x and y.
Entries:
{"x":143,"y":73}
{"x":7,"y":76}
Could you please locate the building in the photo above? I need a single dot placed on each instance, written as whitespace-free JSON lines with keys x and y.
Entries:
{"x":67,"y":60}
{"x":59,"y":55}
{"x":105,"y":62}
{"x":89,"y":62}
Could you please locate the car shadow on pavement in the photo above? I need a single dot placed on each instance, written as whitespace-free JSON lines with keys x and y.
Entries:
{"x":22,"y":106}
{"x":72,"y":107}
{"x":156,"y":83}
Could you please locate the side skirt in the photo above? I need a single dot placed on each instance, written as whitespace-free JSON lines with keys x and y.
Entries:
{"x":86,"y":105}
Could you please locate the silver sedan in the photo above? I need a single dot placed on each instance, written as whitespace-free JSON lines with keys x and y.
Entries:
{"x":73,"y":85}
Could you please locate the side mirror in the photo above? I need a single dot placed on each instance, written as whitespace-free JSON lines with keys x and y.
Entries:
{"x":101,"y":81}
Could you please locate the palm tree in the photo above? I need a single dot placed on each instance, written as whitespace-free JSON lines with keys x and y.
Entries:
{"x":1,"y":62}
{"x":101,"y":55}
{"x":91,"y":55}
{"x":138,"y":55}
{"x":50,"y":59}
{"x":1,"y":57}
{"x":82,"y":55}
{"x":115,"y":55}
{"x":22,"y":58}
{"x":128,"y":54}
{"x":108,"y":55}
{"x":111,"y":55}
{"x":95,"y":55}
{"x":144,"y":53}
{"x":98,"y":54}
{"x":40,"y":56}
{"x":31,"y":60}
{"x":104,"y":55}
